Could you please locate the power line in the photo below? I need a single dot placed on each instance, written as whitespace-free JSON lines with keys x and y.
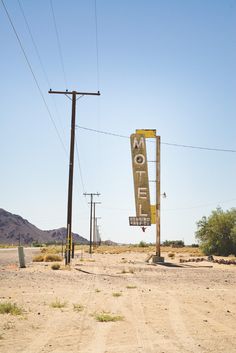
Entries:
{"x":79,"y":165}
{"x":58,"y":44}
{"x":96,"y":31}
{"x":32,"y":72}
{"x":41,"y":64}
{"x":163,"y":143}
{"x":173,"y":209}
{"x":198,"y":206}
{"x":34,"y":43}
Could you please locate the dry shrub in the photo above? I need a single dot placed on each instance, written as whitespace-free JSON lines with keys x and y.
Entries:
{"x":9,"y":308}
{"x":107,"y":317}
{"x":38,"y":258}
{"x":51,"y":250}
{"x":55,"y":266}
{"x":58,"y":304}
{"x":52,"y":258}
{"x":171,"y":255}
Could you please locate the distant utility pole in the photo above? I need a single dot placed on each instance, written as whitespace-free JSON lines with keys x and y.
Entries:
{"x":91,"y":217}
{"x":94,"y":221}
{"x":74,"y":95}
{"x":97,"y":233}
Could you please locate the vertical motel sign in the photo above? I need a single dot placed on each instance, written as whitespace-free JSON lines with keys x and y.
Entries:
{"x":141,"y":182}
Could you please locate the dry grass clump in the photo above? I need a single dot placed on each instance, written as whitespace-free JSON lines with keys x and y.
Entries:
{"x":78,"y":307}
{"x":107,"y":317}
{"x":58,"y":304}
{"x":51,"y":250}
{"x":171,"y":255}
{"x":38,"y":258}
{"x":9,"y":308}
{"x":117,"y":294}
{"x":55,"y":266}
{"x":52,"y":258}
{"x":48,"y":257}
{"x":131,"y":287}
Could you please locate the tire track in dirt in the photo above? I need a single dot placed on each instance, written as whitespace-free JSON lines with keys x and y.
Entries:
{"x":182,"y":335}
{"x":98,"y":342}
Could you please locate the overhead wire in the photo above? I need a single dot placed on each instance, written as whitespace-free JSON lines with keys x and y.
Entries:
{"x":163,"y":143}
{"x":58,"y":44}
{"x":79,"y":165}
{"x":34,"y":43}
{"x":33,"y":74}
{"x":175,"y":209}
{"x":41,"y":64}
{"x":97,"y":52}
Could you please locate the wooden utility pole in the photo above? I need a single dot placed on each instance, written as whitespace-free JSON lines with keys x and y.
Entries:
{"x":74,"y":95}
{"x":91,"y":218}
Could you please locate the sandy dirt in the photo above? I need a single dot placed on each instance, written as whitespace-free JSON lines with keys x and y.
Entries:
{"x":164,"y":309}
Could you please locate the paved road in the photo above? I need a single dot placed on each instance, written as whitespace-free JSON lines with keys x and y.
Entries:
{"x":10,"y":256}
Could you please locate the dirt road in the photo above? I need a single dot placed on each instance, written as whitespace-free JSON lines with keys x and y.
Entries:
{"x":164,"y":309}
{"x":10,"y":256}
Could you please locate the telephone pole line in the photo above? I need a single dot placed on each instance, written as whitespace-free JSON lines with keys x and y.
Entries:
{"x":91,"y":217}
{"x":74,"y":95}
{"x":94,"y":222}
{"x":97,"y":234}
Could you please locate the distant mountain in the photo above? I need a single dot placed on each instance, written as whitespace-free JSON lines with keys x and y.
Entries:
{"x":13,"y":227}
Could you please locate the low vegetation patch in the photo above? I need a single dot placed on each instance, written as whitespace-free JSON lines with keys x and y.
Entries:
{"x":107,"y":317}
{"x":47,"y":257}
{"x":171,"y":255}
{"x":52,"y":258}
{"x":58,"y":304}
{"x":78,"y":307}
{"x":55,"y":266}
{"x":117,"y":294}
{"x":142,"y":244}
{"x":38,"y":258}
{"x":131,"y":287}
{"x":10,"y":308}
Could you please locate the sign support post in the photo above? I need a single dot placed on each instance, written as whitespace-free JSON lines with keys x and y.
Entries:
{"x":157,"y":258}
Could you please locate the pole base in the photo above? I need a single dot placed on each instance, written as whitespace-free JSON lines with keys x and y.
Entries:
{"x":156,"y":259}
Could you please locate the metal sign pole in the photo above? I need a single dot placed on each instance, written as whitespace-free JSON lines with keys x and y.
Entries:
{"x":157,"y":257}
{"x":158,"y":198}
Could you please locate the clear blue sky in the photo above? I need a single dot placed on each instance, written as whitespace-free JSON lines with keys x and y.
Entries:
{"x":166,"y":65}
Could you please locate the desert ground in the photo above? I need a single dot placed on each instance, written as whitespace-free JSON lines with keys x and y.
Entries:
{"x":189,"y":307}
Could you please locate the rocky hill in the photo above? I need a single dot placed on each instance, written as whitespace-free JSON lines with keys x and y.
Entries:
{"x":14,"y":227}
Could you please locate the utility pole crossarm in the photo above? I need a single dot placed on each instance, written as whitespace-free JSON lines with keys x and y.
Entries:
{"x":77,"y":93}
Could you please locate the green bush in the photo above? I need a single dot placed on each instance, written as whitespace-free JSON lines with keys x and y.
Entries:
{"x":217,"y":233}
{"x":142,"y":244}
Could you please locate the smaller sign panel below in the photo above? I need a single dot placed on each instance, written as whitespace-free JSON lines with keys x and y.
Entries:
{"x":140,"y":221}
{"x":153,"y":214}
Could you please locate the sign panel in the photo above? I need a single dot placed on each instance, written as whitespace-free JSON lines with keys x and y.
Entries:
{"x":147,"y":133}
{"x":140,"y":221}
{"x":140,"y":175}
